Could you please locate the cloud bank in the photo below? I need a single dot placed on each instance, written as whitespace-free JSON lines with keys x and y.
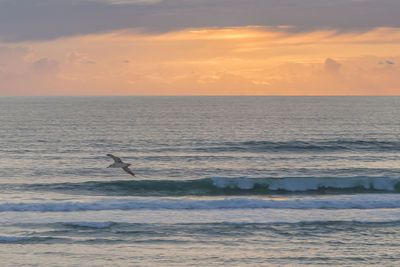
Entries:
{"x":26,"y":20}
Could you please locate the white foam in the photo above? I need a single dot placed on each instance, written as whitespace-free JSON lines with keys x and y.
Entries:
{"x":361,"y":201}
{"x":301,"y":184}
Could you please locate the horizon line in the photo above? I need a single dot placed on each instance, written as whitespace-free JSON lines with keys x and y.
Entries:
{"x":196,"y":95}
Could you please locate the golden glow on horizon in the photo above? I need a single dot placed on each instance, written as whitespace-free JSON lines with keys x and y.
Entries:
{"x":249,"y":60}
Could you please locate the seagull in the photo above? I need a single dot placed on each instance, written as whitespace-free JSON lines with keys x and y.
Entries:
{"x":119,"y":164}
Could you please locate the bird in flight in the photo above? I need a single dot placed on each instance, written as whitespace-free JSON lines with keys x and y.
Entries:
{"x":119,"y":164}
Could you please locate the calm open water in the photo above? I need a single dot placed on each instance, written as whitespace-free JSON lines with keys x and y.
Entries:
{"x":239,"y":181}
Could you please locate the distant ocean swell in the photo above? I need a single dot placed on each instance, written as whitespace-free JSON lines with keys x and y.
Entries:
{"x":300,"y":146}
{"x":383,"y":201}
{"x":226,"y":186}
{"x":260,"y":146}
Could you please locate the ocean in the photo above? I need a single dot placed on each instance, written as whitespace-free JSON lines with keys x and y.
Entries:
{"x":238,"y":181}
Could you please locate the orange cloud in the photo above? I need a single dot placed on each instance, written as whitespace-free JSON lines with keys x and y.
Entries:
{"x":240,"y":61}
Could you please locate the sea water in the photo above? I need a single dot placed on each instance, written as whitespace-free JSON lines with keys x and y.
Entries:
{"x":239,"y":181}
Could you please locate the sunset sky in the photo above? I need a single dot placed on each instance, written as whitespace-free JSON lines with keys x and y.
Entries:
{"x":199,"y":47}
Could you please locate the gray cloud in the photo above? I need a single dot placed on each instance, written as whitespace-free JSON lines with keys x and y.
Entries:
{"x":388,"y":62}
{"x":45,"y":65}
{"x":48,"y":19}
{"x":331,"y":66}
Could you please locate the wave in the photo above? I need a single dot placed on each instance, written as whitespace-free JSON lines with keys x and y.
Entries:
{"x":227,"y":186}
{"x":95,"y":225}
{"x":31,"y":239}
{"x":302,"y":146}
{"x":383,"y":201}
{"x":191,"y":227}
{"x":128,"y":233}
{"x":127,"y":225}
{"x":13,"y":239}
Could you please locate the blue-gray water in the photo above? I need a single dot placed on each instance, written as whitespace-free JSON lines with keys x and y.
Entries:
{"x":240,"y":181}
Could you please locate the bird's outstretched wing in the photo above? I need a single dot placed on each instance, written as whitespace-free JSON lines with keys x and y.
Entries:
{"x":128,"y":171}
{"x":116,"y":159}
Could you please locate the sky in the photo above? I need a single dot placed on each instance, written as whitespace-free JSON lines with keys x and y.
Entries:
{"x":199,"y":47}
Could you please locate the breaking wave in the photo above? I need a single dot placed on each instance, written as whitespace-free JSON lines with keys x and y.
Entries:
{"x":383,"y":201}
{"x":227,"y":186}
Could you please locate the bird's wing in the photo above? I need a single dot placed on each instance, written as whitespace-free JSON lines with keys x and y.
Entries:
{"x":116,"y":159}
{"x":128,"y":171}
